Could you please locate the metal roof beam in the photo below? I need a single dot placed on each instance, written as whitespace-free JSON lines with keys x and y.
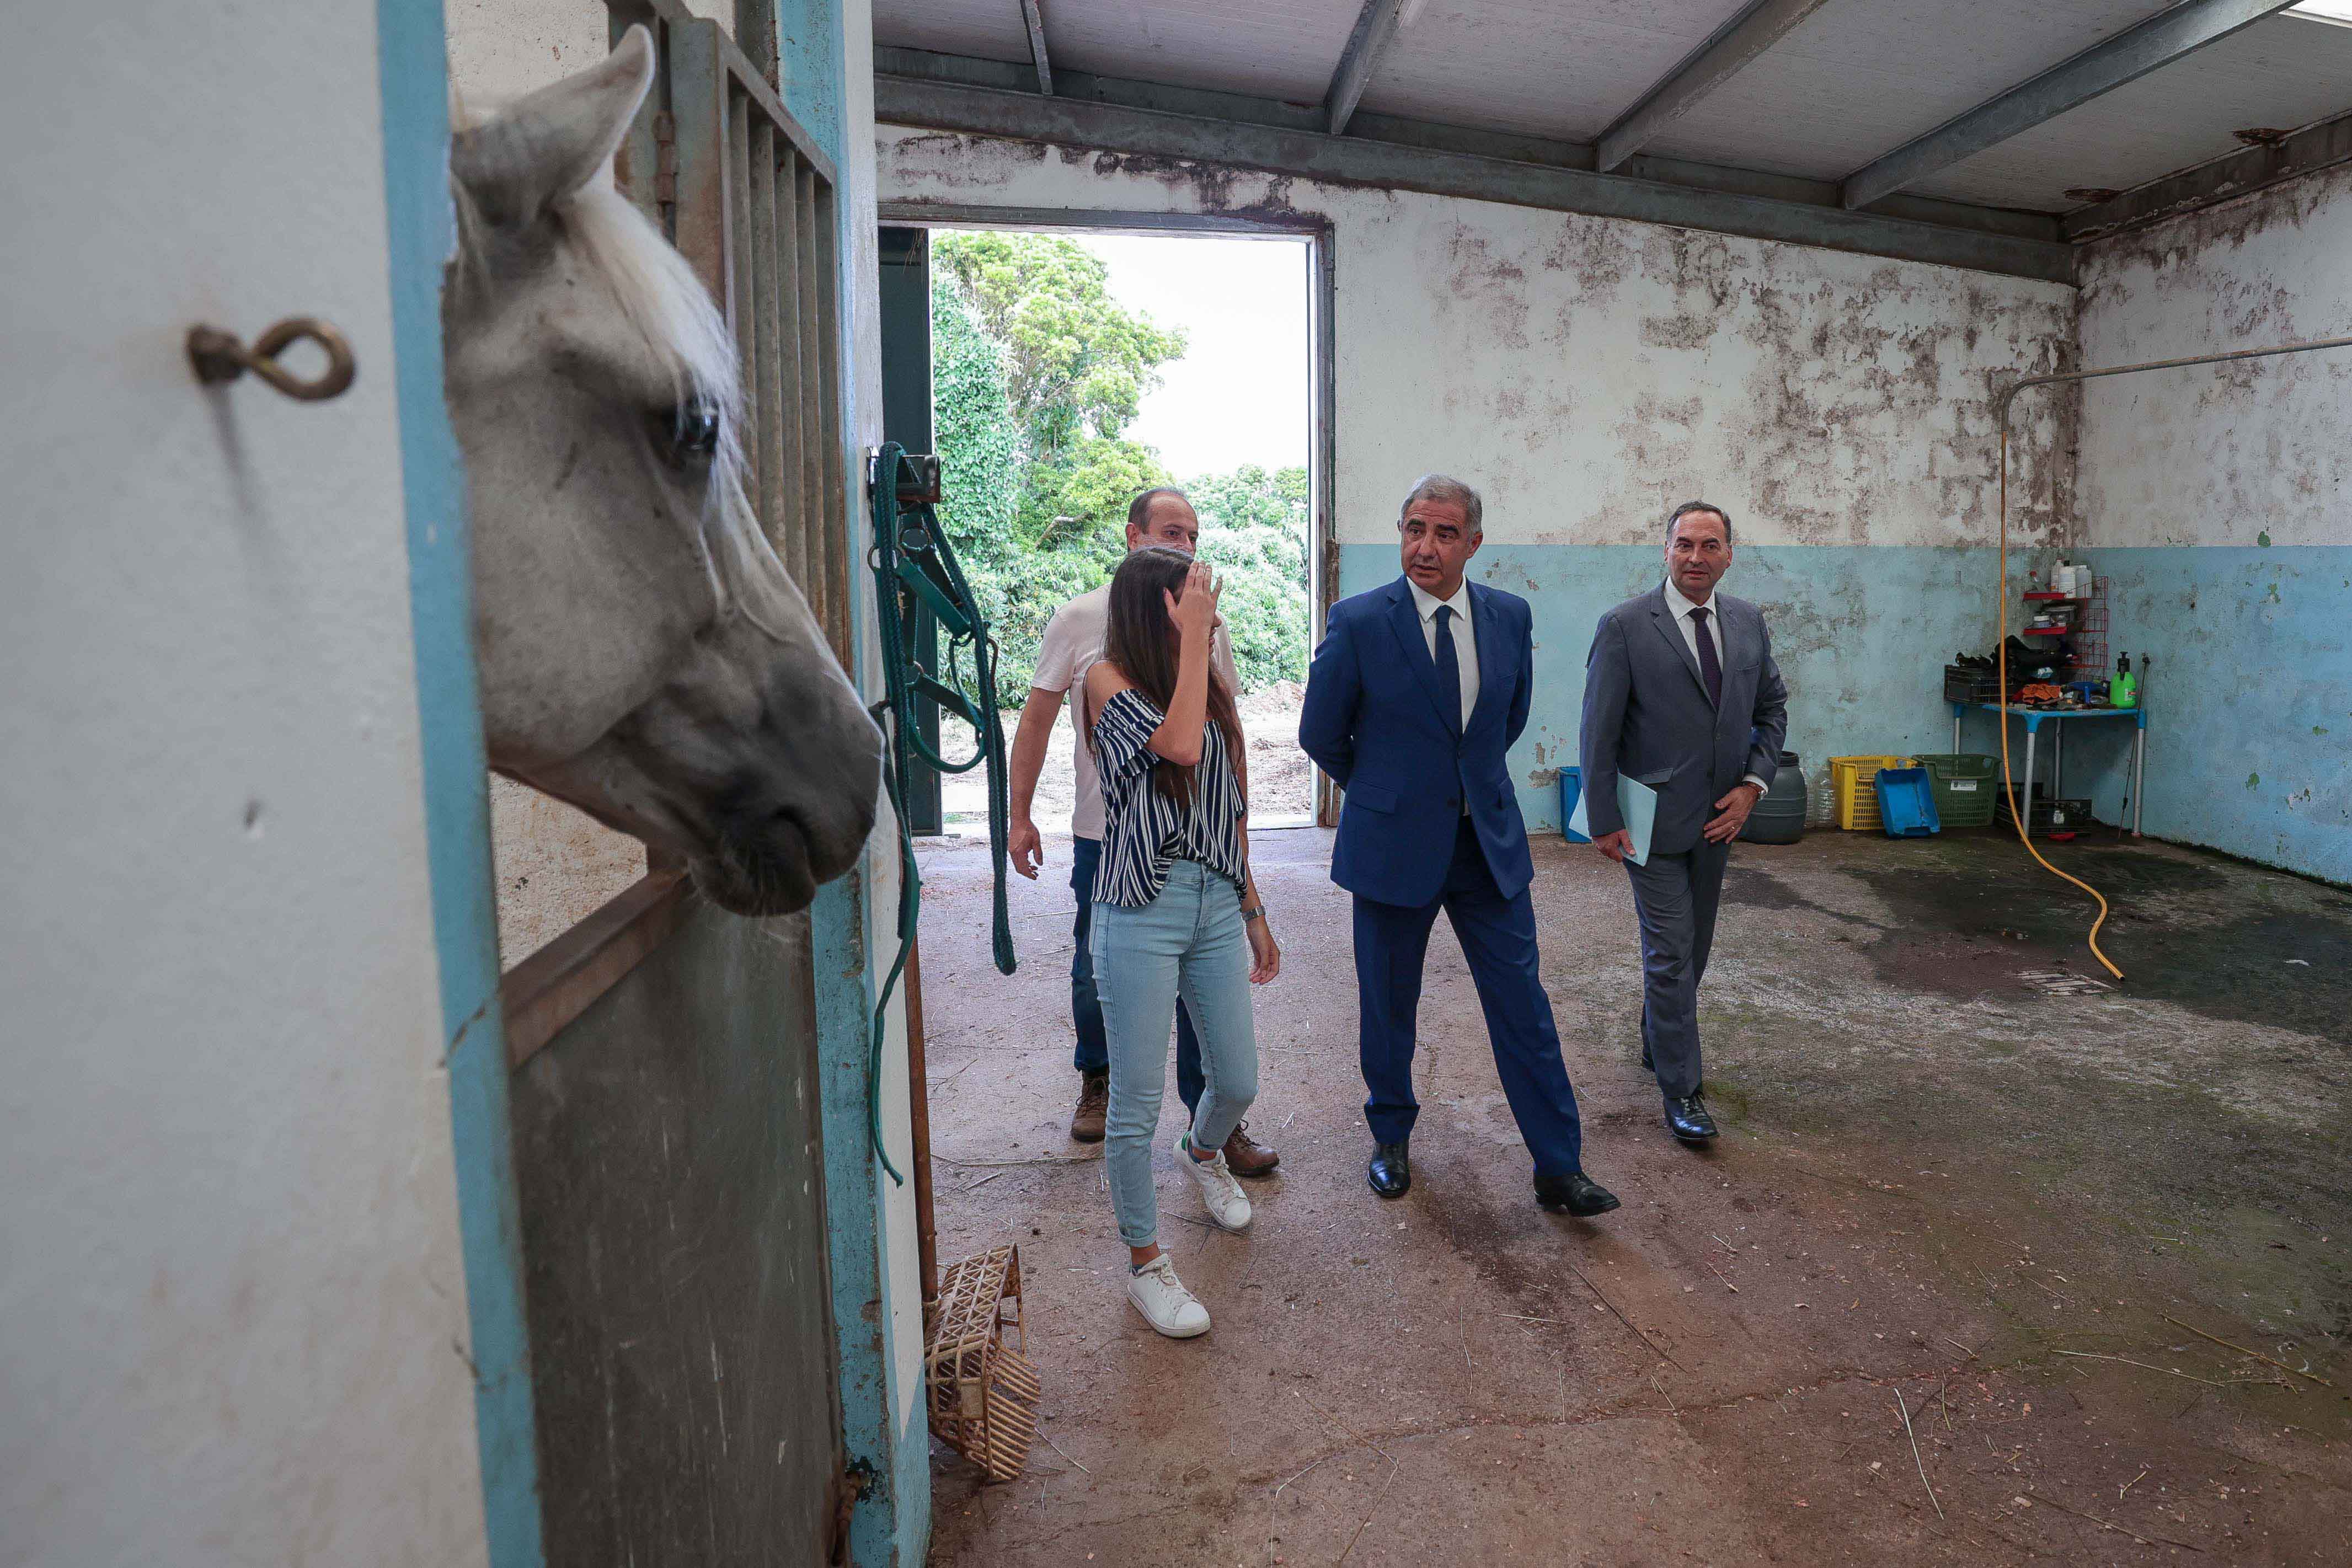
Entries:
{"x":1223,"y":131}
{"x":2126,"y":57}
{"x":1376,"y":29}
{"x":1733,"y":46}
{"x":1035,"y":21}
{"x":2318,"y":146}
{"x":915,"y":65}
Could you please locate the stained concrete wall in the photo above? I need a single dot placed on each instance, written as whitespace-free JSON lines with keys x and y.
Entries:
{"x":1586,"y":373}
{"x":231,"y":1269}
{"x":2215,"y":499}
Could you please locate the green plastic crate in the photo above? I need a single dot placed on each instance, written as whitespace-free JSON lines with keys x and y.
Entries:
{"x":1967,"y":788}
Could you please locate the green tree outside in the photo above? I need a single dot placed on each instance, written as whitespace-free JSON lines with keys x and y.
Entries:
{"x":1036,"y":371}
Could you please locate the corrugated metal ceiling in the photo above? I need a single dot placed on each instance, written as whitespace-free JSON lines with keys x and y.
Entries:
{"x":2281,"y":73}
{"x":1537,"y":68}
{"x":1855,"y":80}
{"x":1861,"y":78}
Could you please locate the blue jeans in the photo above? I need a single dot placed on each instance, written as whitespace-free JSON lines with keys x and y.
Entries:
{"x":1190,"y":942}
{"x":1086,"y":1007}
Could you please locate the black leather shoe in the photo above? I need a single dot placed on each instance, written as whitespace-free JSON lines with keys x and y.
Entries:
{"x":1688,"y":1119}
{"x":1576,"y":1193}
{"x":1391,"y":1173}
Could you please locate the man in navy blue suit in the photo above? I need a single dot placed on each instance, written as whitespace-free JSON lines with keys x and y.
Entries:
{"x":1418,"y":690}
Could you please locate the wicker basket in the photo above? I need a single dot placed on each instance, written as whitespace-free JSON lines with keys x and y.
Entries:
{"x":984,"y":1393}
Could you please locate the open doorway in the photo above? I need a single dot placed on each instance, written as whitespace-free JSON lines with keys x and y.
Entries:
{"x":1071,"y":365}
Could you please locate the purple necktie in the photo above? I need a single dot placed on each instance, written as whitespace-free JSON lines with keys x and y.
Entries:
{"x":1710,"y":668}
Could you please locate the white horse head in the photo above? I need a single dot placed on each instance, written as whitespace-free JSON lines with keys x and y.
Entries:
{"x":644,"y":654}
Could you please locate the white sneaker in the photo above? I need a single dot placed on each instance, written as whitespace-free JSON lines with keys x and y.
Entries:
{"x":1227,"y":1204}
{"x":1156,"y":1292}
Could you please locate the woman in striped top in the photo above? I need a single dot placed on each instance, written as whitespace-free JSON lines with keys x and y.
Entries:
{"x":1175,"y":907}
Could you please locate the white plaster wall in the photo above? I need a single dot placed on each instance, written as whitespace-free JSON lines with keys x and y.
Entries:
{"x":1587,"y":372}
{"x":2249,"y":454}
{"x":229,"y":1273}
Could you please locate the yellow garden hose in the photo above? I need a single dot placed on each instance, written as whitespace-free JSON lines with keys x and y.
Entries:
{"x":2022,"y":811}
{"x":2021,"y":808}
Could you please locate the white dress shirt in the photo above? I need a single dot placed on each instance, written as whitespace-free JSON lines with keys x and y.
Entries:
{"x":1682,"y":607}
{"x":1465,"y":641}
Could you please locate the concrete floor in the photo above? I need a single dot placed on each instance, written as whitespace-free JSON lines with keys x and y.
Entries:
{"x":1955,"y":1174}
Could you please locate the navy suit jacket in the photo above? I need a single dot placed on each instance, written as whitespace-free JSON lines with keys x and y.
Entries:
{"x":1378,"y":723}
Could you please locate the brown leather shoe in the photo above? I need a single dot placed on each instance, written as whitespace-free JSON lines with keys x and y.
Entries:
{"x":1246,"y":1156}
{"x":1094,"y":1105}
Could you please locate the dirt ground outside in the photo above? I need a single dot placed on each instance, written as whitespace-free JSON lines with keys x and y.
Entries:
{"x":1281,"y":779}
{"x":1940,"y":1294}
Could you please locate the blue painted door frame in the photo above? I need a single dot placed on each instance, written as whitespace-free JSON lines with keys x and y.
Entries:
{"x":412,"y":75}
{"x":891,"y":1525}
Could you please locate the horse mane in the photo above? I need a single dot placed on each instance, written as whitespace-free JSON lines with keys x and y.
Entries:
{"x":661,"y":295}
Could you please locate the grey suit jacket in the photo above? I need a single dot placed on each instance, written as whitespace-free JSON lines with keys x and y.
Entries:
{"x":1646,"y":716}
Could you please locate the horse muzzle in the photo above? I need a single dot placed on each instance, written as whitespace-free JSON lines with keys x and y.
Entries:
{"x":771,"y":857}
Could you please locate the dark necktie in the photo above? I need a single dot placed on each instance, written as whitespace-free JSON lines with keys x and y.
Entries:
{"x":1449,"y":665}
{"x":1710,"y":668}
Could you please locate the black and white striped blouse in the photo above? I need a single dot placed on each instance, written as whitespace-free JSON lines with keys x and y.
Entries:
{"x":1143,"y":830}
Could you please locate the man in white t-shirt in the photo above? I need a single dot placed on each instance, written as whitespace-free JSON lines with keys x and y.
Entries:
{"x":1073,"y":642}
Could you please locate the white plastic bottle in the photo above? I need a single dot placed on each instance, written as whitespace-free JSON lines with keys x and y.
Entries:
{"x":1820,"y":798}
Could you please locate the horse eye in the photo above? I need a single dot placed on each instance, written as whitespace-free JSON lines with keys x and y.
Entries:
{"x":686,"y":434}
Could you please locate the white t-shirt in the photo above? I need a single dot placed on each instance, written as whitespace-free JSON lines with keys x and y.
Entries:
{"x":1073,"y":642}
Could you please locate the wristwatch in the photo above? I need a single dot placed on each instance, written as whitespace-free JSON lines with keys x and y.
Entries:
{"x":1254,"y":912}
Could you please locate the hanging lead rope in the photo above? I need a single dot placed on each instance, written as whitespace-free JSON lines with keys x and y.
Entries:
{"x":911,"y":556}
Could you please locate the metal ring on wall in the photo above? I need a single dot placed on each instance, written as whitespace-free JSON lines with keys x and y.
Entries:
{"x":219,"y":358}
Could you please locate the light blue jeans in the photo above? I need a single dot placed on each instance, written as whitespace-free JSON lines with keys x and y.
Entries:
{"x":1189,"y":941}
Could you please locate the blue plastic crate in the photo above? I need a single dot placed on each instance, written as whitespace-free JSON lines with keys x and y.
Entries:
{"x":1906,"y":802}
{"x":1570,"y":786}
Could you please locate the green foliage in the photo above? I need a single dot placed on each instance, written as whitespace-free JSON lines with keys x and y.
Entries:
{"x":1249,"y":497}
{"x":1035,"y":372}
{"x":972,"y":422}
{"x":1255,"y":529}
{"x":1076,"y":363}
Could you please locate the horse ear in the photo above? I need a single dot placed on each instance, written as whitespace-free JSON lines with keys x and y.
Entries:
{"x":558,"y":138}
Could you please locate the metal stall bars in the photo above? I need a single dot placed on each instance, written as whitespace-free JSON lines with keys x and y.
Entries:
{"x":747,"y":196}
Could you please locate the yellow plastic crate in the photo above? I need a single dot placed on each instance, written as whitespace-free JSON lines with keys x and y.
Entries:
{"x":1857,"y":801}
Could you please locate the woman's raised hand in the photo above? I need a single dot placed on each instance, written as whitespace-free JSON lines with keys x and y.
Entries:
{"x":1195,"y":615}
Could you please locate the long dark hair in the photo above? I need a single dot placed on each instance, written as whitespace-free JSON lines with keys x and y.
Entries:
{"x":1141,"y":642}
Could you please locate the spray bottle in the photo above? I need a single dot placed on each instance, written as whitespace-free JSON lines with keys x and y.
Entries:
{"x":2124,"y":690}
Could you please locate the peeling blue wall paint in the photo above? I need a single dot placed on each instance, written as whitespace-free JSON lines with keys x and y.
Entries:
{"x":2250,"y":699}
{"x":809,"y":47}
{"x":857,"y":1225}
{"x":413,"y":74}
{"x":1861,"y":634}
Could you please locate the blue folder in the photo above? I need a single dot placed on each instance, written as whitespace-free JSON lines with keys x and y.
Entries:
{"x":1637,"y":803}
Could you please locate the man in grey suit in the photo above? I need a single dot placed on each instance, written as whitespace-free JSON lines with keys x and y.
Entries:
{"x":1681,"y":694}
